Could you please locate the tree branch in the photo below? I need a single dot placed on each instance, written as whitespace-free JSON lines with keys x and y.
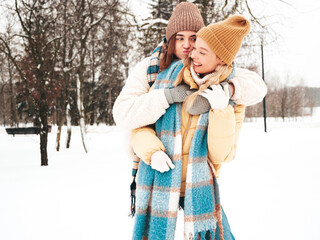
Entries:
{"x":13,"y":60}
{"x":255,"y":18}
{"x":224,"y":6}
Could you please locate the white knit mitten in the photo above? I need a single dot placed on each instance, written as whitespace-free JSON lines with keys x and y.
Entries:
{"x":218,"y":96}
{"x":161,"y":162}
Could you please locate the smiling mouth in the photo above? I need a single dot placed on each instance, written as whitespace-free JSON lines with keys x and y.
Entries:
{"x":197,"y":64}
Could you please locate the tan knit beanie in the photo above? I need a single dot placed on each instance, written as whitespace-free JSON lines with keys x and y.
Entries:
{"x":225,"y":37}
{"x":185,"y":17}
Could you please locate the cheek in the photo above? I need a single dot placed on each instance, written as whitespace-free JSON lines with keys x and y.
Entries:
{"x":209,"y":63}
{"x":176,"y":49}
{"x":213,"y":61}
{"x":178,"y":46}
{"x":193,"y":54}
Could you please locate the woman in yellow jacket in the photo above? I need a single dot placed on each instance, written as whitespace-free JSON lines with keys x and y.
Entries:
{"x":223,"y":133}
{"x":203,"y":74}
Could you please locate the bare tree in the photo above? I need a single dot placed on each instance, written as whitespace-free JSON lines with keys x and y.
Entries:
{"x":36,"y":67}
{"x":88,"y":15}
{"x":3,"y":95}
{"x":66,"y":58}
{"x":8,"y":75}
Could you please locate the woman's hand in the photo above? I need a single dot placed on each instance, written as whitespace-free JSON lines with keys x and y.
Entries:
{"x":217,"y":96}
{"x":176,"y":94}
{"x":199,"y":106}
{"x":161,"y":162}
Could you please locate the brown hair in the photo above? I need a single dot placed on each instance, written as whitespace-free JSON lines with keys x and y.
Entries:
{"x":168,"y":53}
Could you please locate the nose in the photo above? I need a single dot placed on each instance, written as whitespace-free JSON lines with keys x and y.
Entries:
{"x":186,"y":44}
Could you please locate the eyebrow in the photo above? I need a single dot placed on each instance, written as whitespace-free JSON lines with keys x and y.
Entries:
{"x":181,"y":35}
{"x":203,"y":49}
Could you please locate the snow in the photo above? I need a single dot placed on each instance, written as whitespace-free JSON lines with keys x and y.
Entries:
{"x":270,"y":191}
{"x":147,"y":23}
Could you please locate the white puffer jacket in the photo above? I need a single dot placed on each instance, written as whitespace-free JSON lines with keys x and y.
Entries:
{"x":137,"y":107}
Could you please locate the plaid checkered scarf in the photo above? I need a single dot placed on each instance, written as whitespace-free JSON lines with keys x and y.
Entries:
{"x":152,"y":73}
{"x":153,"y":69}
{"x":158,"y":193}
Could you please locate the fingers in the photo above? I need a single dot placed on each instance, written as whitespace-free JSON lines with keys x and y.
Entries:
{"x":161,"y":162}
{"x":205,"y":93}
{"x":161,"y":168}
{"x":218,"y":87}
{"x":170,"y":163}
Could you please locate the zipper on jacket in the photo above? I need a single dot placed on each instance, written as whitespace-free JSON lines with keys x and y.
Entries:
{"x":187,"y":129}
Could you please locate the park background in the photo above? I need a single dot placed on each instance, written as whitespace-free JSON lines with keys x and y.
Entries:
{"x":64,"y":62}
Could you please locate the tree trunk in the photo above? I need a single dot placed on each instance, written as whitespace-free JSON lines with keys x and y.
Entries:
{"x":80,"y":79}
{"x":43,"y":133}
{"x":68,"y":126}
{"x":93,"y":60}
{"x":13,"y":115}
{"x":110,"y":118}
{"x":43,"y":146}
{"x":81,"y":112}
{"x":3,"y":105}
{"x":43,"y":108}
{"x":60,"y":123}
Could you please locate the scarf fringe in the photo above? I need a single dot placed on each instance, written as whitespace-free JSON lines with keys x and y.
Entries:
{"x":218,"y":216}
{"x":133,"y":188}
{"x":203,"y":235}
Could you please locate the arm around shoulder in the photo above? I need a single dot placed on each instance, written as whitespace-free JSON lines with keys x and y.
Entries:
{"x":249,"y":87}
{"x":136,"y":106}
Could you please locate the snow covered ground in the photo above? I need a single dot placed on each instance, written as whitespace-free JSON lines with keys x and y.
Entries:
{"x":270,"y":191}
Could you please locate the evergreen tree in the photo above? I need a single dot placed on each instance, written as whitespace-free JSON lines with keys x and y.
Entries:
{"x":154,"y":27}
{"x":114,"y":48}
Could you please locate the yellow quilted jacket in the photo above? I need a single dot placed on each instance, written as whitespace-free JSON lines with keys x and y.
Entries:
{"x":223,"y":132}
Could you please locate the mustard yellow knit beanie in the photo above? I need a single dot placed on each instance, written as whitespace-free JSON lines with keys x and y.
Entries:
{"x":185,"y":17}
{"x":225,"y":37}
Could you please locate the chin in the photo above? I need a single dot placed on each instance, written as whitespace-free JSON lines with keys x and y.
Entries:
{"x":198,"y":72}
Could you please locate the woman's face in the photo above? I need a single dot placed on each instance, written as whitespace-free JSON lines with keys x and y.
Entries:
{"x":184,"y":43}
{"x":204,"y":59}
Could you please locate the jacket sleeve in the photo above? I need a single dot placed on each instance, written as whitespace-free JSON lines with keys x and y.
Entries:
{"x":223,"y":133}
{"x":249,"y":87}
{"x":145,"y":142}
{"x":135,"y":106}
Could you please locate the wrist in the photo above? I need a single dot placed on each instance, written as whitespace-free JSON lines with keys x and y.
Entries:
{"x":236,"y":89}
{"x":231,"y":89}
{"x":168,"y":95}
